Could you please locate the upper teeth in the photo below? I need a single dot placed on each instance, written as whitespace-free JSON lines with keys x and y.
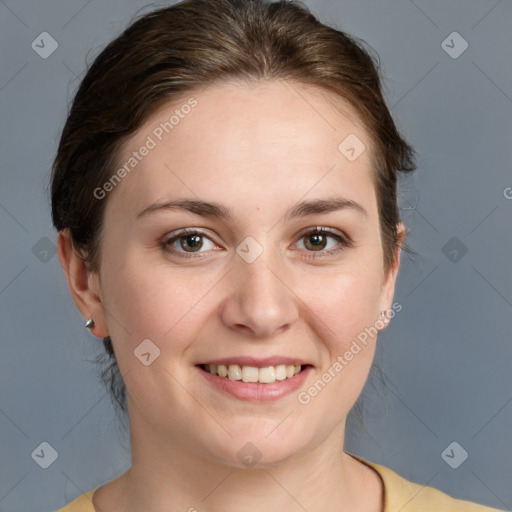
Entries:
{"x":264,"y":375}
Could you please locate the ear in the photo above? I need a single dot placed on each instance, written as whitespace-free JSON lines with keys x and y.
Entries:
{"x":83,"y":283}
{"x":388,"y":285}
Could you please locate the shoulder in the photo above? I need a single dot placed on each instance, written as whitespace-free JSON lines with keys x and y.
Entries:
{"x":81,"y":504}
{"x":407,"y":496}
{"x":399,"y":494}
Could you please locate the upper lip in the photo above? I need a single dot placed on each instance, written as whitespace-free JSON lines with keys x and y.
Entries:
{"x":258,"y":362}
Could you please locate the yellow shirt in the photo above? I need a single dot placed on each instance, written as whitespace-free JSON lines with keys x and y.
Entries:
{"x":400,"y":495}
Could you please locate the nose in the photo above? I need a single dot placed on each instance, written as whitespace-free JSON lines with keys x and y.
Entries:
{"x":260,"y":302}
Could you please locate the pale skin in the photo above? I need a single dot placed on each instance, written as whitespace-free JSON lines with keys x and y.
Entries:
{"x":258,"y":149}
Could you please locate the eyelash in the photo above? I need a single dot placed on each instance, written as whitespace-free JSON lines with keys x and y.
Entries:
{"x":344,"y":242}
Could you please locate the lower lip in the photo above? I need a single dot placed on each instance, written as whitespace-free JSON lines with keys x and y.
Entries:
{"x":256,"y":391}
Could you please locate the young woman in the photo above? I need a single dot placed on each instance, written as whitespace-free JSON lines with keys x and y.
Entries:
{"x":225,"y":192}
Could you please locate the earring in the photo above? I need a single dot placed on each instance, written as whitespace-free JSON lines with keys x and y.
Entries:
{"x":383,"y":316}
{"x":89,"y":324}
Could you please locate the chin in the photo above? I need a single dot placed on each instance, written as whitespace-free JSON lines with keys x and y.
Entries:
{"x":254,"y":448}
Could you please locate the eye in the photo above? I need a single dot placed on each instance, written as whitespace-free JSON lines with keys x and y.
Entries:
{"x":319,"y":238}
{"x":187,"y":241}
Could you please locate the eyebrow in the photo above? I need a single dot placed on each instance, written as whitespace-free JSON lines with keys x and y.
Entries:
{"x":212,"y":209}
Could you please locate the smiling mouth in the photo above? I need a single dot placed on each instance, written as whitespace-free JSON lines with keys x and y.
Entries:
{"x":264,"y":375}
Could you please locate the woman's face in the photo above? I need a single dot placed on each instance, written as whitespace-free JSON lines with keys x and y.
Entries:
{"x":251,"y":284}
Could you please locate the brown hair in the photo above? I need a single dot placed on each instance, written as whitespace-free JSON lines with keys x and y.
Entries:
{"x":172,"y":51}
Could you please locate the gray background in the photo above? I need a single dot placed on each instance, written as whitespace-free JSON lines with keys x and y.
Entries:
{"x":446,"y":356}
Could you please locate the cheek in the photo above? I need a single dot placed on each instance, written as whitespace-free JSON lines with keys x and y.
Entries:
{"x":345,"y":307}
{"x":347,"y":303}
{"x":154,"y":301}
{"x":161,"y":301}
{"x":345,"y":322}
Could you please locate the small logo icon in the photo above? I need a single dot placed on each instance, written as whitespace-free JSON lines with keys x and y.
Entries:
{"x":454,"y":249}
{"x":454,"y":455}
{"x":249,"y":250}
{"x":454,"y":45}
{"x":45,"y":455}
{"x":351,"y":147}
{"x":44,"y":250}
{"x":44,"y":45}
{"x":249,"y":455}
{"x":146,"y":352}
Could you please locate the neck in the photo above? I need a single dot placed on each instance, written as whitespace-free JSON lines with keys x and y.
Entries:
{"x":167,"y":474}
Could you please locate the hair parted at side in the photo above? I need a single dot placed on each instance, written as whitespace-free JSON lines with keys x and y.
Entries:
{"x":165,"y":55}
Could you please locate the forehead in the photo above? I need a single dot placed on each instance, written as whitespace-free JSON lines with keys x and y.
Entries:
{"x":258,"y":141}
